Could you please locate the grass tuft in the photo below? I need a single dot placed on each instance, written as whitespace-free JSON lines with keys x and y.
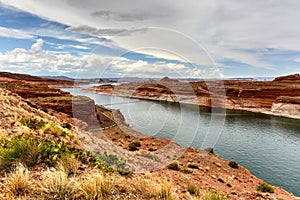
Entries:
{"x":19,"y":181}
{"x":57,"y":185}
{"x":193,"y":190}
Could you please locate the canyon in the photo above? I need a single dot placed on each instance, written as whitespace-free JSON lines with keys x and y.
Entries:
{"x":100,"y":129}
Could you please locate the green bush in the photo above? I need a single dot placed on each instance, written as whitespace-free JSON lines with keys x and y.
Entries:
{"x":32,"y":151}
{"x":193,"y":190}
{"x":233,"y":164}
{"x":114,"y":162}
{"x":265,"y":187}
{"x":174,"y":166}
{"x":134,"y":146}
{"x":33,"y":123}
{"x":22,"y":149}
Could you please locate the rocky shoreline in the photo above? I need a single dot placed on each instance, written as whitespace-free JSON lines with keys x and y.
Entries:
{"x":280,"y":97}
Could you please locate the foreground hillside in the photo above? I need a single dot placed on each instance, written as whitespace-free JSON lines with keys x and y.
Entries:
{"x":279,"y":97}
{"x":48,"y":152}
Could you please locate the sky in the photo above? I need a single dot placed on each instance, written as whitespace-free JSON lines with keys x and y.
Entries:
{"x":134,"y":38}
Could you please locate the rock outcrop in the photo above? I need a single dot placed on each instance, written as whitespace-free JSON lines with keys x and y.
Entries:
{"x":80,"y":110}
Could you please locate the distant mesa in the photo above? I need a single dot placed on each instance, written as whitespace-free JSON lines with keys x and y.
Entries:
{"x":167,"y":79}
{"x":292,"y":77}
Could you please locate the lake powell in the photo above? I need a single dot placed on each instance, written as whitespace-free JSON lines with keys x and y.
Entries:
{"x":268,"y":146}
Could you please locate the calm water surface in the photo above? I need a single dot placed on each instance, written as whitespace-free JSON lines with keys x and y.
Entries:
{"x":268,"y":146}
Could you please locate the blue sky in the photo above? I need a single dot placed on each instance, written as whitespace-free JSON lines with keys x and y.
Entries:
{"x":202,"y":39}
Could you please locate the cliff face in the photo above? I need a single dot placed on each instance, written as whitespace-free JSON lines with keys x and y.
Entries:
{"x":255,"y":96}
{"x":286,"y":106}
{"x":80,"y":110}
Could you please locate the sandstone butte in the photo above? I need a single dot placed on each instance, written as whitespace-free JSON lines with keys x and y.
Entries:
{"x":98,"y":129}
{"x":279,"y":97}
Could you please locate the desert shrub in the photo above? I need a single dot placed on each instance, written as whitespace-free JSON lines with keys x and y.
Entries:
{"x":187,"y":171}
{"x":33,"y":123}
{"x":193,"y":166}
{"x":114,"y":162}
{"x":67,"y":126}
{"x":233,"y":164}
{"x":265,"y":187}
{"x":152,"y":149}
{"x":174,"y":166}
{"x":213,"y":196}
{"x":55,"y":130}
{"x":221,"y":180}
{"x":134,"y":146}
{"x":22,"y":149}
{"x":193,"y":190}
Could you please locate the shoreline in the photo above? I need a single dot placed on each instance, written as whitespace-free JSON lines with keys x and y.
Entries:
{"x":119,"y":118}
{"x":252,"y":110}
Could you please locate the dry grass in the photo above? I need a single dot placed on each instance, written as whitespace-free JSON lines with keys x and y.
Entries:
{"x":69,"y":164}
{"x":57,"y":185}
{"x":166,"y":191}
{"x":95,"y":185}
{"x":92,"y":185}
{"x":19,"y":182}
{"x":209,"y":196}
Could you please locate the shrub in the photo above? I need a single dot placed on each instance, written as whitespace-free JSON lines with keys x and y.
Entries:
{"x":33,"y":123}
{"x":193,"y":190}
{"x":174,"y":166}
{"x":193,"y":166}
{"x":134,"y":146}
{"x":187,"y":171}
{"x":265,"y":187}
{"x":233,"y":164}
{"x":55,"y":130}
{"x":22,"y":149}
{"x":221,"y":180}
{"x":67,"y":126}
{"x":114,"y":162}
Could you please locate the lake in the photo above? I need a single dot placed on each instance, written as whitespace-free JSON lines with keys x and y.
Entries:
{"x":268,"y":146}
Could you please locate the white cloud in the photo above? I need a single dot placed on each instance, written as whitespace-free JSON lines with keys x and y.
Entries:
{"x":37,"y":47}
{"x":13,"y":33}
{"x":297,"y":60}
{"x":129,"y":68}
{"x":228,"y":29}
{"x":39,"y":62}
